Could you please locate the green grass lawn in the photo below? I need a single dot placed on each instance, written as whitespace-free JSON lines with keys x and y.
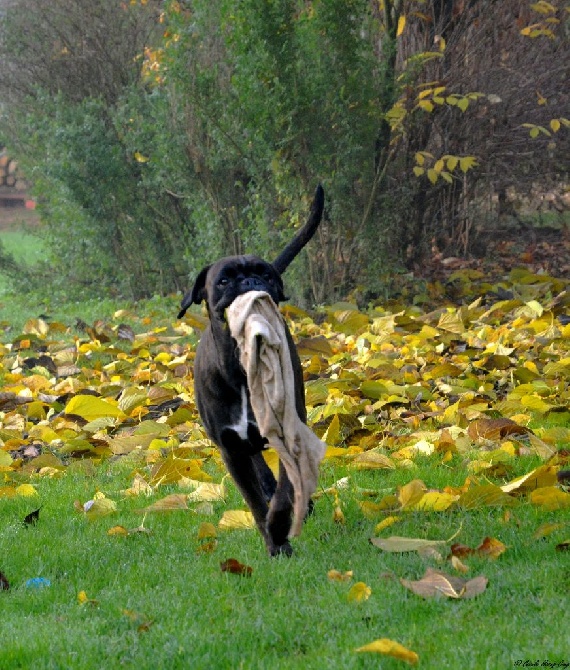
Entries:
{"x":16,"y":307}
{"x":25,"y":246}
{"x":162,"y":604}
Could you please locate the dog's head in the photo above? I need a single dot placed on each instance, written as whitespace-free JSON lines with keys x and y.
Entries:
{"x":221,"y":283}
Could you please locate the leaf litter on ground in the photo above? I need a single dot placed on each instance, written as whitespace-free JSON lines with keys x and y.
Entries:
{"x":483,"y":386}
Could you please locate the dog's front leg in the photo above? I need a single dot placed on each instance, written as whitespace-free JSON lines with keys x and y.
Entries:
{"x":280,"y":509}
{"x":241,"y":467}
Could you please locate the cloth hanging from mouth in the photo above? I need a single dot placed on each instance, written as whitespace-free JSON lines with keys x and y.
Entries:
{"x":256,"y":324}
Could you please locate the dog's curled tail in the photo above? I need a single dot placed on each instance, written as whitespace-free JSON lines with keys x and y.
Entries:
{"x":282,"y":262}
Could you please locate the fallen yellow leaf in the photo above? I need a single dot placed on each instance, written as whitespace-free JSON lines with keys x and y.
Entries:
{"x":545,"y":475}
{"x":550,"y":498}
{"x":26,"y":490}
{"x":236,"y":519}
{"x":99,"y":507}
{"x":547,"y":528}
{"x":208,"y":491}
{"x":5,"y":459}
{"x":486,"y":495}
{"x":91,"y":407}
{"x":388,"y":521}
{"x":372,"y":460}
{"x":83,"y":599}
{"x":434,"y":501}
{"x":390,"y":648}
{"x":206,"y":530}
{"x":175,"y":501}
{"x":410,"y":494}
{"x":337,"y":576}
{"x":117,"y":530}
{"x":359,"y":592}
{"x":139,"y":487}
{"x":178,"y":469}
{"x":403,"y":544}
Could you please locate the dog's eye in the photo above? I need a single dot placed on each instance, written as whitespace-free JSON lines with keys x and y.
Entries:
{"x":223,"y":281}
{"x":267,"y":277}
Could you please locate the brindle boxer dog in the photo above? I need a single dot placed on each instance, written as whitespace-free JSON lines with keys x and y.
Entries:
{"x":221,"y":388}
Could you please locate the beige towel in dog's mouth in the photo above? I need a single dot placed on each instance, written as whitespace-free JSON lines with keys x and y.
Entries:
{"x":257,"y":326}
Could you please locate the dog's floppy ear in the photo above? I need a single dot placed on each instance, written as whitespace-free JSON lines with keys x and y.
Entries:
{"x":280,"y":288}
{"x":197,"y":294}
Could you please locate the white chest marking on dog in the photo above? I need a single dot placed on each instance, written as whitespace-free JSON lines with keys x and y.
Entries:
{"x":241,"y":426}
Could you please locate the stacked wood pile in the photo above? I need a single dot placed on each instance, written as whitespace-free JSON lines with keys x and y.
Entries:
{"x":9,"y":174}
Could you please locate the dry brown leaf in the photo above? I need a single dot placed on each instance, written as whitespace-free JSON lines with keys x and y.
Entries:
{"x":490,"y":547}
{"x":541,"y":448}
{"x":142,"y":622}
{"x":338,"y":514}
{"x":430,"y":554}
{"x":236,"y":568}
{"x":205,"y":509}
{"x":4,"y":583}
{"x":207,"y":547}
{"x":435,"y":583}
{"x":458,"y":565}
{"x":495,"y":429}
{"x":461,"y":550}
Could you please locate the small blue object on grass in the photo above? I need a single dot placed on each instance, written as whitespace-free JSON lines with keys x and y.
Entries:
{"x":38,"y":583}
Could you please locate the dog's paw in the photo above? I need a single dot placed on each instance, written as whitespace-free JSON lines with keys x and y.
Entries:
{"x":281,"y":550}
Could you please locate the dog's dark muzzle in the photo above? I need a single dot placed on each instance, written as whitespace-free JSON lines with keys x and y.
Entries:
{"x":245,"y":285}
{"x":252,"y":284}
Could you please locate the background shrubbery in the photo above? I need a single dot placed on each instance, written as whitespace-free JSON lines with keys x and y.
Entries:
{"x":160,"y":135}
